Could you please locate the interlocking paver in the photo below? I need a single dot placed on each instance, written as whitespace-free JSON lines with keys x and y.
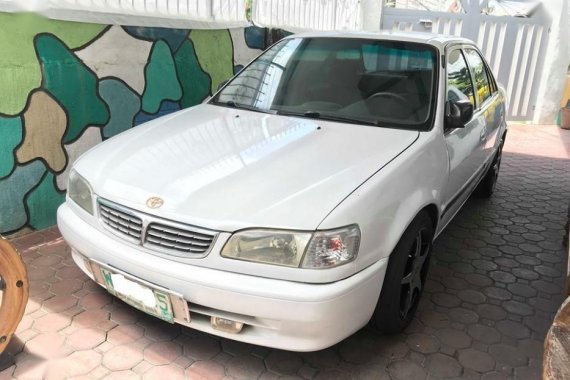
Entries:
{"x":51,"y":322}
{"x":66,"y":287}
{"x":443,"y":366}
{"x":454,"y":338}
{"x":78,"y":363}
{"x":498,"y":293}
{"x":472,"y":296}
{"x":434,"y":319}
{"x":423,"y":343}
{"x":124,"y":334}
{"x":47,"y":345}
{"x":495,"y":282}
{"x":161,"y":353}
{"x":284,"y":362}
{"x":509,"y":355}
{"x":95,"y":300}
{"x":170,"y":372}
{"x":484,"y":334}
{"x":200,"y":347}
{"x":122,"y":358}
{"x":245,"y":367}
{"x":90,"y":318}
{"x":476,"y":360}
{"x":205,"y":370}
{"x":83,"y":339}
{"x":445,"y":300}
{"x":57,"y":304}
{"x":31,"y":368}
{"x":405,"y":370}
{"x":324,"y":359}
{"x":122,"y":375}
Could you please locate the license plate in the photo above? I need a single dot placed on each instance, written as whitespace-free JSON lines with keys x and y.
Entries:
{"x":150,"y":299}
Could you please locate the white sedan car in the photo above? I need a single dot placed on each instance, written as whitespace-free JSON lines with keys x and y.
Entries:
{"x":300,"y":202}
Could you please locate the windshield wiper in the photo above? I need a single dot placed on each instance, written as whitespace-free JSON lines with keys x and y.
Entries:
{"x":231,"y":103}
{"x":321,"y":116}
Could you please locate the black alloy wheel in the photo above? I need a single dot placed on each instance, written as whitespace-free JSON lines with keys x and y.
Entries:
{"x":405,"y":277}
{"x":487,"y":185}
{"x":415,"y":273}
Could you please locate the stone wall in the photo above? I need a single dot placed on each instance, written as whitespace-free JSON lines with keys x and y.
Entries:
{"x":66,"y":86}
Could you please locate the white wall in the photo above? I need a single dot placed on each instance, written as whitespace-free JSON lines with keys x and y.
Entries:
{"x":556,"y":63}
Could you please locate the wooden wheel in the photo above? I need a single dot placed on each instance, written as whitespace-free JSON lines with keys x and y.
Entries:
{"x":557,"y":346}
{"x":14,"y":286}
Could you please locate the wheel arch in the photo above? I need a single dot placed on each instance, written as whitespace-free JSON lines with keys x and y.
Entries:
{"x":433,"y":213}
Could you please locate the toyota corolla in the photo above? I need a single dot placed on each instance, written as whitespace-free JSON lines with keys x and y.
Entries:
{"x":300,"y":202}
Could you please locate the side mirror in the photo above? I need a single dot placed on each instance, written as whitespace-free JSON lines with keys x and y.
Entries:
{"x":458,"y":113}
{"x":222,"y":84}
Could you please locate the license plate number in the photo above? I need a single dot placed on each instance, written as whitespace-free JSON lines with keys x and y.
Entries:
{"x":152,"y":301}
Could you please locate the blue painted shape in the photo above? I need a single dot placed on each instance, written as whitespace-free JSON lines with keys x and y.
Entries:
{"x":72,"y":84}
{"x":161,"y":77}
{"x":255,"y":37}
{"x":10,"y":137}
{"x":123,"y":105}
{"x":237,"y":68}
{"x":13,"y":189}
{"x":166,"y":107}
{"x":173,"y":37}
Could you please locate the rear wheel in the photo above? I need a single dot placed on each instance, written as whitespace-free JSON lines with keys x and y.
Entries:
{"x":405,"y":277}
{"x":487,"y":185}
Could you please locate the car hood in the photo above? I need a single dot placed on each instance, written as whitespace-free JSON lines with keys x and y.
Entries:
{"x":228,"y":169}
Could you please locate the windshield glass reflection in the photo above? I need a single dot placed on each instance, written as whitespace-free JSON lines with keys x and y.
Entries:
{"x":365,"y":81}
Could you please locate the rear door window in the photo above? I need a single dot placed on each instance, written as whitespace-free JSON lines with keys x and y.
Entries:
{"x":479,"y":72}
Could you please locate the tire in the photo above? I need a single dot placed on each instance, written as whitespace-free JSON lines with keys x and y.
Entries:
{"x":486,"y":187}
{"x":405,"y":277}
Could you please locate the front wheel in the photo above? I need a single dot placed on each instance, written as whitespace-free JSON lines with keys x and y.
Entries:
{"x":405,"y":277}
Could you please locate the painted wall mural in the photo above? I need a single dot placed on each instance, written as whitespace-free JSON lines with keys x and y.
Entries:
{"x":65,"y":87}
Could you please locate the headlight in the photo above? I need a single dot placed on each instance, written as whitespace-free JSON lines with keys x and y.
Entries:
{"x":268,"y":246}
{"x":80,"y":192}
{"x":321,"y":249}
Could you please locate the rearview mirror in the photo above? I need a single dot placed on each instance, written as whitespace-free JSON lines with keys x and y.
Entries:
{"x":458,"y":113}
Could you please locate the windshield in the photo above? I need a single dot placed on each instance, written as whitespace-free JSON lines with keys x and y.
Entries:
{"x":376,"y":82}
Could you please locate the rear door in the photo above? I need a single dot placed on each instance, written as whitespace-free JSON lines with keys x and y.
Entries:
{"x":489,"y":98}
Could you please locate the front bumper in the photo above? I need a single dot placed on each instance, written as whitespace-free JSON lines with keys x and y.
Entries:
{"x":276,"y":313}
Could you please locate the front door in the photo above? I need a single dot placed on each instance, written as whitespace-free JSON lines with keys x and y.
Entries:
{"x":464,"y":145}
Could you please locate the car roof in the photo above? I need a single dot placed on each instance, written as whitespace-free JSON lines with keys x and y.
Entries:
{"x":438,"y":40}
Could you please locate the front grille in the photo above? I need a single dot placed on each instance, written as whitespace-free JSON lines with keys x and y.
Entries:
{"x":121,"y":221}
{"x":177,"y":239}
{"x":154,"y":233}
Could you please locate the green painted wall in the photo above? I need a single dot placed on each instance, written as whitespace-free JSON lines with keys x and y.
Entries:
{"x":67,"y":86}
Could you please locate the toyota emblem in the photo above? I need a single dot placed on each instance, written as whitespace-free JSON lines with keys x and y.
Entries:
{"x":154,"y":202}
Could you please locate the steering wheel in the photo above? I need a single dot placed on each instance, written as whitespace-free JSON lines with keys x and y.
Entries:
{"x":392,"y":95}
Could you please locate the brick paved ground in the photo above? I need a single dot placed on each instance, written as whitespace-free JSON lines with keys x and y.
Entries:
{"x":495,"y":283}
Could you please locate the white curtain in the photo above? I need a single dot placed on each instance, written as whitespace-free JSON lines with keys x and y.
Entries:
{"x":303,"y":15}
{"x":187,"y":14}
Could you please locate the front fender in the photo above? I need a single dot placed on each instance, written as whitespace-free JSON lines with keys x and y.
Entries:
{"x":385,"y":205}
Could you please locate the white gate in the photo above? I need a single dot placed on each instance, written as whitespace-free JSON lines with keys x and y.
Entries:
{"x":514,"y":47}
